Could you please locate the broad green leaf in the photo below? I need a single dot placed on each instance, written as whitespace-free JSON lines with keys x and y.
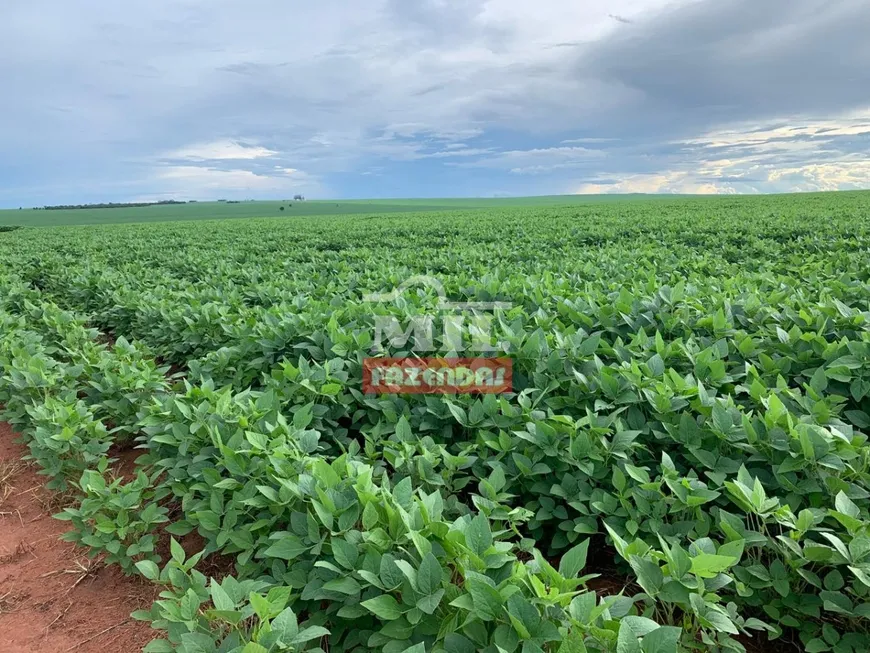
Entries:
{"x":429,"y":575}
{"x":574,"y":560}
{"x":664,"y":639}
{"x":345,"y":553}
{"x":478,"y":536}
{"x":346,"y":585}
{"x":254,"y":647}
{"x":307,"y":634}
{"x":384,"y":606}
{"x":488,"y":603}
{"x":286,"y":625}
{"x":287,"y":548}
{"x":261,"y":606}
{"x":220,"y":598}
{"x":707,"y":565}
{"x":430,"y":603}
{"x":148,"y":569}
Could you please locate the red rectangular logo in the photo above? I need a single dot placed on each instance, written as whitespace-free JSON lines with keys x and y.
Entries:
{"x":437,"y":375}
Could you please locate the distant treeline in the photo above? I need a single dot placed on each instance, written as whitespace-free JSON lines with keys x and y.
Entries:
{"x":109,"y":205}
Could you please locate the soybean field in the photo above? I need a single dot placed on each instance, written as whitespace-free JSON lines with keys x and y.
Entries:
{"x":682,"y":463}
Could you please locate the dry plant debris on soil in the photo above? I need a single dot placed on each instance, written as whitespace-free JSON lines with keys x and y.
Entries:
{"x":53,"y":597}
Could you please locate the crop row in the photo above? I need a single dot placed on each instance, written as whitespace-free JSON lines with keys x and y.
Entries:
{"x":393,"y":562}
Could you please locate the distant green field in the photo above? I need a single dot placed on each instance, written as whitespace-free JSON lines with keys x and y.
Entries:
{"x":272,"y":209}
{"x":221,"y":210}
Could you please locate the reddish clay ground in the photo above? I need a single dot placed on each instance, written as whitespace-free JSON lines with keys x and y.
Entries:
{"x":53,"y":598}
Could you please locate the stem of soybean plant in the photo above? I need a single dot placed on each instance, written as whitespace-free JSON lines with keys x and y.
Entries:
{"x":669,"y":613}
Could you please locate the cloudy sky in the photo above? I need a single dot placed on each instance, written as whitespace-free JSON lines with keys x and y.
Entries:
{"x":426,"y":98}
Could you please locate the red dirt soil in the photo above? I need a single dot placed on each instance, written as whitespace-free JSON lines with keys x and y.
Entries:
{"x":53,"y":598}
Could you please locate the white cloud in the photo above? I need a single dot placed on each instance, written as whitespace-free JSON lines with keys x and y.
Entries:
{"x":107,"y":96}
{"x":785,"y":130}
{"x":795,"y":153}
{"x":205,"y":182}
{"x":410,"y":68}
{"x":851,"y":175}
{"x":671,"y":182}
{"x":221,"y":150}
{"x":448,"y":153}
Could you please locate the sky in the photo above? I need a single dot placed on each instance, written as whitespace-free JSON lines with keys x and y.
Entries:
{"x":196,"y":99}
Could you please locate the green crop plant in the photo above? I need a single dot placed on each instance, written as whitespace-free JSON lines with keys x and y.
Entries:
{"x":683,"y":463}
